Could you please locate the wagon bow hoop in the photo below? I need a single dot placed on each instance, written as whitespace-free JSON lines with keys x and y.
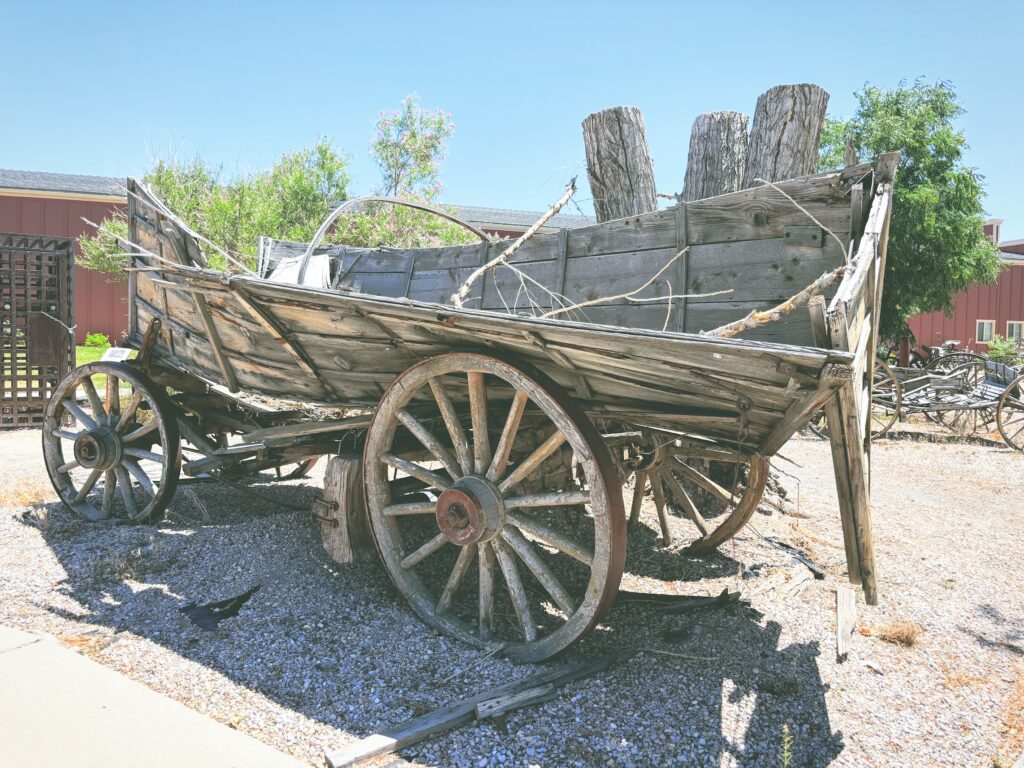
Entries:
{"x":333,"y":216}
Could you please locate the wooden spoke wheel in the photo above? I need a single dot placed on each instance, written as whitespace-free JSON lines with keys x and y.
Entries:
{"x":717,"y":489}
{"x":886,"y":399}
{"x":477,"y":550}
{"x":116,"y":451}
{"x":1010,"y":414}
{"x":956,"y":409}
{"x":947,"y":363}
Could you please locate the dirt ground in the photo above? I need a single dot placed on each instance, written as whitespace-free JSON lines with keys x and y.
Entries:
{"x":325,"y":654}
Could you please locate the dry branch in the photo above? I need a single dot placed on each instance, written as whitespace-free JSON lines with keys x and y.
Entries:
{"x":459,"y":296}
{"x":757,"y":318}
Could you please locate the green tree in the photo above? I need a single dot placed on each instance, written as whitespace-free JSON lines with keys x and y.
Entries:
{"x":937,"y":245}
{"x":290,"y":201}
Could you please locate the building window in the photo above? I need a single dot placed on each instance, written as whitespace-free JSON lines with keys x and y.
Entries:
{"x":1015,"y":330}
{"x":985,"y":330}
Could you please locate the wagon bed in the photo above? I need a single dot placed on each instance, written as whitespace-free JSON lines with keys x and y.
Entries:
{"x":452,"y":407}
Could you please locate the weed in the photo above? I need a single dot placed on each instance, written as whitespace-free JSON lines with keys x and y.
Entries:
{"x":786,"y":754}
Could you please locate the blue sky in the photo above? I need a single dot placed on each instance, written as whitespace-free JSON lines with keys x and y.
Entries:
{"x":104,"y":88}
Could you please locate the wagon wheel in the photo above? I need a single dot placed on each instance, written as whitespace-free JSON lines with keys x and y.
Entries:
{"x":1010,"y":414}
{"x":117,"y":452}
{"x":962,"y":416}
{"x":947,"y":363}
{"x":716,"y":489}
{"x":548,"y":563}
{"x":886,"y":399}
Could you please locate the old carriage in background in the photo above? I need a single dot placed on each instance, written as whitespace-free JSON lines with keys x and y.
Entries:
{"x":496,"y":444}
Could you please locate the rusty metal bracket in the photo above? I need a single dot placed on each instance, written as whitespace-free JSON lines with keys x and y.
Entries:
{"x":322,"y":509}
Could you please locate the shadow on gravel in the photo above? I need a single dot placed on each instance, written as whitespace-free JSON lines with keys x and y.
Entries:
{"x":336,"y":645}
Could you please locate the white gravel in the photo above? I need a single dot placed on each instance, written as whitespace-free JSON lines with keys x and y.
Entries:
{"x":324,"y":654}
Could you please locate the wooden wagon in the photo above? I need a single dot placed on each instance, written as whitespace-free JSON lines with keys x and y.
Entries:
{"x":496,"y":444}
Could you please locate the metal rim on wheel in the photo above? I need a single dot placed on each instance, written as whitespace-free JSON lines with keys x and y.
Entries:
{"x":548,"y":564}
{"x":115,"y":454}
{"x":716,"y":488}
{"x":1010,"y":414}
{"x":886,"y":399}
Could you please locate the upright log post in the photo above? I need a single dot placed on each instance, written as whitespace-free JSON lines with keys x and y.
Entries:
{"x":785,"y":134}
{"x":718,"y":155}
{"x":619,"y":163}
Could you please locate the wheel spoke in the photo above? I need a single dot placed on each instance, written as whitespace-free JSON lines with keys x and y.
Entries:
{"x":486,"y":607}
{"x":424,"y":551}
{"x":516,"y":590}
{"x":478,"y":413}
{"x":455,"y":578}
{"x":129,"y":413}
{"x":125,"y":485}
{"x":66,"y":434}
{"x":704,"y":482}
{"x":432,"y":479}
{"x":98,"y":411}
{"x":109,"y":484}
{"x":140,"y":474}
{"x":508,"y":436}
{"x":415,"y":508}
{"x":679,"y":494}
{"x":113,"y":398}
{"x":139,"y":453}
{"x":87,"y":485}
{"x":73,"y":407}
{"x":658,"y":489}
{"x":142,"y":431}
{"x":534,"y":460}
{"x":526,"y":552}
{"x":554,"y":499}
{"x":639,"y":484}
{"x":65,"y":468}
{"x":430,"y":442}
{"x":451,"y":421}
{"x":551,"y":537}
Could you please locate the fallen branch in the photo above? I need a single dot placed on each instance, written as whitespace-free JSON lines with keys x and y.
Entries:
{"x":757,"y":318}
{"x":459,"y":296}
{"x":628,"y":296}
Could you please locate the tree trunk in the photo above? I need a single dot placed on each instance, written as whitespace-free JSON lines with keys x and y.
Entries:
{"x":718,"y":155}
{"x":785,"y":134}
{"x":619,"y":163}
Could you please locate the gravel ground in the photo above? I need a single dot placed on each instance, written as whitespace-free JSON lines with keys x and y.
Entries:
{"x":325,"y":654}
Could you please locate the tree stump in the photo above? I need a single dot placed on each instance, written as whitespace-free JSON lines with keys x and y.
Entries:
{"x":619,"y":163}
{"x":718,"y":155}
{"x":785,"y":133}
{"x":345,"y":528}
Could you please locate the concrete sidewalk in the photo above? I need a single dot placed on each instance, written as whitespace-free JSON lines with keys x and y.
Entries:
{"x":58,"y":708}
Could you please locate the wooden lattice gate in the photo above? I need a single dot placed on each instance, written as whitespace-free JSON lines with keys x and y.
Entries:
{"x":36,"y":311}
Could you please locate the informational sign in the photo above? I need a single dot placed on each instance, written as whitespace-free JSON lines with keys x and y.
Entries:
{"x":117,"y":354}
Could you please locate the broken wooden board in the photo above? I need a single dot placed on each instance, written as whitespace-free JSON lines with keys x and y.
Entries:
{"x":345,"y":528}
{"x":846,"y":619}
{"x":464,"y":711}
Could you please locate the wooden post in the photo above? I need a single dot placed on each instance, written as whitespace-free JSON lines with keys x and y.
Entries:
{"x":342,"y":512}
{"x":785,"y":133}
{"x":619,"y":163}
{"x":718,"y":155}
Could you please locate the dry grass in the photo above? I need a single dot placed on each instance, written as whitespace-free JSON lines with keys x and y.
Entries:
{"x":87,"y":644}
{"x":25,"y":492}
{"x":953,"y":678}
{"x":904,"y":633}
{"x":1012,"y":741}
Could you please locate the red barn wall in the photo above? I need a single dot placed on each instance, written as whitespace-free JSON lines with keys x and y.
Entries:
{"x":101,"y":305}
{"x":1001,"y":302}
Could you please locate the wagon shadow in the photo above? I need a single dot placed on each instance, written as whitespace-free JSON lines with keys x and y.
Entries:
{"x":337,"y":645}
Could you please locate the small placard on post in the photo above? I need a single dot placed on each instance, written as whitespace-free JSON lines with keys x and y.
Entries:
{"x":117,"y":354}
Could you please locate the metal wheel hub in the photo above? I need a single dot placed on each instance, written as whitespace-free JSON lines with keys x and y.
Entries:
{"x":471,"y":511}
{"x":98,"y":448}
